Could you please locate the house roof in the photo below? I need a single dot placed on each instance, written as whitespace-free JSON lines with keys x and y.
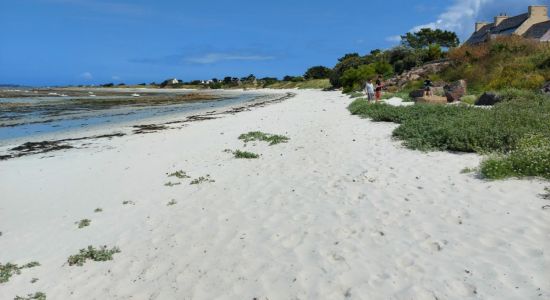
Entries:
{"x":537,"y":31}
{"x":510,"y":23}
{"x":480,"y":36}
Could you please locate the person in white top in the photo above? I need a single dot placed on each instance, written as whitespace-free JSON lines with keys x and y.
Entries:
{"x":369,"y":90}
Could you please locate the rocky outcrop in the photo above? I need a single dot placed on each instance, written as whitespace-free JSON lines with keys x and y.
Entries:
{"x":455,"y":91}
{"x":418,"y":73}
{"x":546,"y":88}
{"x":488,"y":99}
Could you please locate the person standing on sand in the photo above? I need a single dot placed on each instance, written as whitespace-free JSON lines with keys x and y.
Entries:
{"x":369,"y":90}
{"x":378,"y":88}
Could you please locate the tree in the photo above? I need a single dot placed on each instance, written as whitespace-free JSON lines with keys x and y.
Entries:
{"x":353,"y":79}
{"x":426,"y":37}
{"x":347,"y":56}
{"x":349,"y":61}
{"x":227,"y":80}
{"x":383,"y":68}
{"x":317,"y":72}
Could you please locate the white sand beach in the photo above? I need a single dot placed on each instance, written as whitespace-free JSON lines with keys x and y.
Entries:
{"x":341,"y":211}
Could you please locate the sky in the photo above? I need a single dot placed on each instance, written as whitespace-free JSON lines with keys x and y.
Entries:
{"x":70,"y":42}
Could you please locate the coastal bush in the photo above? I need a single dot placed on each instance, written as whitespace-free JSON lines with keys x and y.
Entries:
{"x":506,"y":62}
{"x":505,"y":130}
{"x":272,"y":139}
{"x":530,"y":158}
{"x":100,"y":254}
{"x":245,"y":155}
{"x":9,"y":269}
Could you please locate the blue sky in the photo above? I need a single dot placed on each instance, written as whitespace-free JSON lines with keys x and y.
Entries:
{"x":58,"y":42}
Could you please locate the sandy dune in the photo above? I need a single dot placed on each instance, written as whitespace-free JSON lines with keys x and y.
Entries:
{"x":341,"y":211}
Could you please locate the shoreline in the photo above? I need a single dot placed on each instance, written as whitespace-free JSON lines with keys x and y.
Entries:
{"x":339,"y":211}
{"x":123,"y":126}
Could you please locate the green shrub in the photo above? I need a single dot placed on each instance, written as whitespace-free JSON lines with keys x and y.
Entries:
{"x":9,"y":269}
{"x":469,"y":99}
{"x":272,"y":139}
{"x":504,"y":129}
{"x":245,"y":155}
{"x":101,"y":254}
{"x":531,"y":158}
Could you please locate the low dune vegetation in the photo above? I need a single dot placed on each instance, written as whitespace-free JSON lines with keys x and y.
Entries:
{"x":506,"y":62}
{"x":92,"y":253}
{"x":515,"y":133}
{"x":8,"y":270}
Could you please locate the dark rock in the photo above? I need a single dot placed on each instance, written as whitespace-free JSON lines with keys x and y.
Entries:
{"x":546,"y":88}
{"x":488,"y":99}
{"x":455,"y":90}
{"x":417,"y":94}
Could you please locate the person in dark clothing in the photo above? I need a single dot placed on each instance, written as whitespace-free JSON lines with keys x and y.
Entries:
{"x":428,"y":87}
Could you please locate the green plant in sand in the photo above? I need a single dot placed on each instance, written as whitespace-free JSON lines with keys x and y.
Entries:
{"x":9,"y":269}
{"x":84,"y":223}
{"x":35,"y":296}
{"x":100,"y":254}
{"x":172,"y":202}
{"x":179,"y":174}
{"x":272,"y":139}
{"x":202,"y":179}
{"x":245,"y":155}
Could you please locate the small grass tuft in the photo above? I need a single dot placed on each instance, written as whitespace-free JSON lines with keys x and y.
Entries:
{"x":98,"y":210}
{"x":179,"y":174}
{"x":9,"y":269}
{"x":202,"y":179}
{"x":171,"y":184}
{"x":34,"y":280}
{"x":172,"y":202}
{"x":245,"y":155}
{"x":35,"y":296}
{"x":272,"y":139}
{"x":101,"y":254}
{"x":84,"y":223}
{"x":128,"y":202}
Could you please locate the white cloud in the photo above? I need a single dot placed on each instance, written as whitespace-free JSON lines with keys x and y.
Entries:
{"x":211,"y":58}
{"x":394,"y":39}
{"x":461,"y":16}
{"x":87,"y":76}
{"x":114,"y":77}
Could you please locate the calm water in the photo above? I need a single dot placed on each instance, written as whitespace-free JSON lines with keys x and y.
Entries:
{"x":48,"y":114}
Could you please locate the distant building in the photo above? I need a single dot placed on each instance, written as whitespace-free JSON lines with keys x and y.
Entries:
{"x":172,"y":81}
{"x":535,"y":24}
